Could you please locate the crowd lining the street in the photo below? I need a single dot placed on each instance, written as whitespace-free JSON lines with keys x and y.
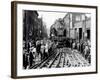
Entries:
{"x":36,"y":52}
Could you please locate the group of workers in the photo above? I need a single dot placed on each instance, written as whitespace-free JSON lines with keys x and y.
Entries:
{"x":42,"y":49}
{"x":37,"y":52}
{"x":84,"y":48}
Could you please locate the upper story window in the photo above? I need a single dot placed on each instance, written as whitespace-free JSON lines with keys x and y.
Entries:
{"x":78,"y":18}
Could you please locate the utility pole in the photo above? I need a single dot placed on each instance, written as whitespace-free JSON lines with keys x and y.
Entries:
{"x":69,"y":29}
{"x":41,"y":27}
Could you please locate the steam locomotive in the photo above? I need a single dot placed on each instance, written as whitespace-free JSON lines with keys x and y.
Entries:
{"x":59,"y":36}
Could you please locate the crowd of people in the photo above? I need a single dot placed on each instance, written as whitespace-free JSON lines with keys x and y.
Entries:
{"x":83,"y":47}
{"x":37,"y":52}
{"x":40,"y":50}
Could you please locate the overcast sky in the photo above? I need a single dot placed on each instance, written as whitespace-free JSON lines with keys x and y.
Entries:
{"x":50,"y":17}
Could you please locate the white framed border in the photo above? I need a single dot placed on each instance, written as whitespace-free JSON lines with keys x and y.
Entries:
{"x":33,"y":72}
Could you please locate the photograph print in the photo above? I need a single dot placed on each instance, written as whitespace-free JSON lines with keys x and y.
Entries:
{"x":55,"y":39}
